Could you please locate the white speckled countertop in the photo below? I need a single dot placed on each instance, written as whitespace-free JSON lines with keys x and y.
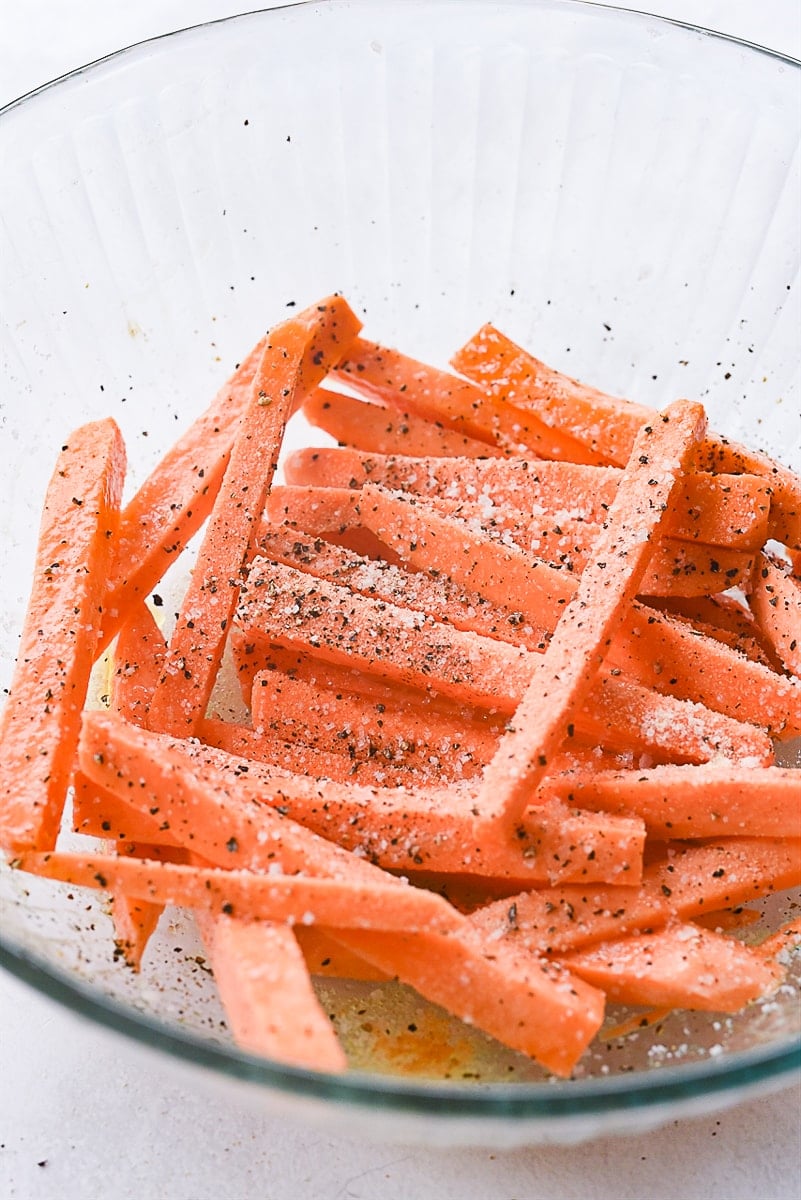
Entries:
{"x":85,"y":1115}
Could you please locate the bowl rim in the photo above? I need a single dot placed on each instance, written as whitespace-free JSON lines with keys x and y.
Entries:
{"x":769,"y":1065}
{"x":286,"y":5}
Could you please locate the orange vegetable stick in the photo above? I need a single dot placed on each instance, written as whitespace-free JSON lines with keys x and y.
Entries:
{"x":723,"y":618}
{"x":678,"y":966}
{"x":775,"y":601}
{"x":40,"y":723}
{"x":217,"y":815}
{"x":677,"y":567}
{"x":652,"y":648}
{"x":435,"y":595}
{"x":152,"y":533}
{"x":376,"y":428}
{"x":423,"y":739}
{"x":275,"y":747}
{"x":269,"y":1001}
{"x":296,"y":356}
{"x":392,"y":378}
{"x":400,"y":828}
{"x":405,"y":647}
{"x":342,"y":903}
{"x":692,"y":801}
{"x":689,"y":882}
{"x":523,"y":1001}
{"x":565,"y":674}
{"x":138,"y":661}
{"x":728,"y":510}
{"x":609,"y":425}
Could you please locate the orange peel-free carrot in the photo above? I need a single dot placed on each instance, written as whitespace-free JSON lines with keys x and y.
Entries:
{"x":377,"y":428}
{"x":679,"y":966}
{"x":775,"y":600}
{"x":152,"y":533}
{"x":703,"y":801}
{"x":40,"y":723}
{"x":296,"y":356}
{"x":524,"y":1001}
{"x":269,"y":1001}
{"x":257,"y":896}
{"x":392,"y":378}
{"x":609,"y":425}
{"x":726,"y":510}
{"x":686,"y":883}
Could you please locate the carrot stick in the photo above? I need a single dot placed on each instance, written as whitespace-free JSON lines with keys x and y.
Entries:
{"x":692,"y":801}
{"x":689,"y":882}
{"x":376,"y":428}
{"x":400,"y":828}
{"x":40,"y":723}
{"x":438,"y":596}
{"x":527,"y":1003}
{"x":218,"y":815}
{"x":404,"y":647}
{"x":343,"y":903}
{"x":152,"y":533}
{"x":608,"y":426}
{"x":677,"y":567}
{"x":269,"y":1001}
{"x":651,"y":647}
{"x":139,"y":655}
{"x":296,"y":357}
{"x":678,"y":966}
{"x":775,"y":601}
{"x":387,"y":376}
{"x":280,"y":748}
{"x":727,"y":510}
{"x":424,"y":740}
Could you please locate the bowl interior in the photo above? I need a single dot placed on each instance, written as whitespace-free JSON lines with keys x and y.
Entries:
{"x":617,"y":192}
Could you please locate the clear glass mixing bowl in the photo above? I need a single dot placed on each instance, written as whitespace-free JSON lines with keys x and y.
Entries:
{"x":618,"y":192}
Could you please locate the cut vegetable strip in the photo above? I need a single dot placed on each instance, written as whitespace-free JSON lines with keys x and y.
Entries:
{"x":609,"y":426}
{"x":139,"y":655}
{"x":152,"y":533}
{"x":227,"y":799}
{"x":438,"y":596}
{"x":379,"y":429}
{"x":689,"y":882}
{"x":524,"y":1002}
{"x":294,"y":899}
{"x":296,"y":356}
{"x":219,"y":816}
{"x":652,"y":648}
{"x":393,"y":378}
{"x":327,"y":957}
{"x":402,"y":646}
{"x":692,"y":802}
{"x":264,"y":984}
{"x":565,"y":674}
{"x":775,"y":601}
{"x":40,"y":723}
{"x":726,"y":510}
{"x":679,"y":966}
{"x":677,"y":567}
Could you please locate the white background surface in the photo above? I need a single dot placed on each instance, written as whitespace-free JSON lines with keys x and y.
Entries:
{"x":84,"y":1115}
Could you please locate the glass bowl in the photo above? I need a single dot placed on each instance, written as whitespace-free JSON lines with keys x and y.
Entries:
{"x":620,"y":193}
